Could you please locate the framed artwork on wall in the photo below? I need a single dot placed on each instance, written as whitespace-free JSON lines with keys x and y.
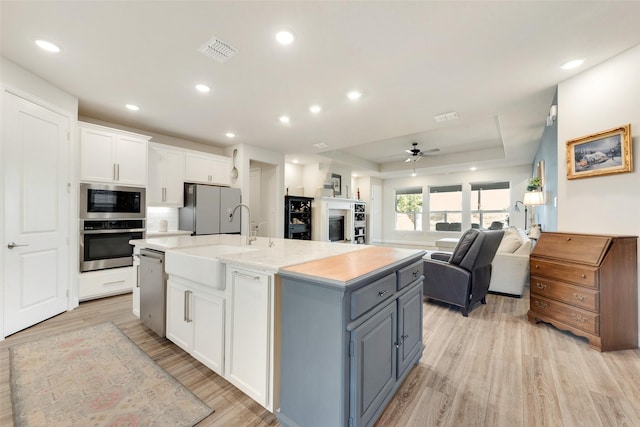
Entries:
{"x":602,"y":153}
{"x":337,"y":184}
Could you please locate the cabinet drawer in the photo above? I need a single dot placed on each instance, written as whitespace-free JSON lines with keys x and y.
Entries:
{"x":371,"y":295}
{"x":588,"y":299}
{"x":569,"y":315}
{"x":576,"y":274}
{"x":408,"y":274}
{"x":585,"y":249}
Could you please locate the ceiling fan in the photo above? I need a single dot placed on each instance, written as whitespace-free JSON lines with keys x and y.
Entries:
{"x":416,"y":154}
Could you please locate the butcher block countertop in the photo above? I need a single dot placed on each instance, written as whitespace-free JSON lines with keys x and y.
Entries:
{"x":343,"y":269}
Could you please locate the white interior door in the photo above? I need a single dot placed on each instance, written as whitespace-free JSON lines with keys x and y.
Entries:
{"x":35,"y":164}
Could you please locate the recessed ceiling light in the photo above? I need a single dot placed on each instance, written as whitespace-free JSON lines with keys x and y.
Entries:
{"x":354,"y":95}
{"x":285,"y":37}
{"x":284,"y":119}
{"x":295,"y":160}
{"x":572,"y":64}
{"x":230,"y":135}
{"x":315,"y":109}
{"x":48,"y":46}
{"x":473,"y":168}
{"x":132,"y":107}
{"x":203,"y":88}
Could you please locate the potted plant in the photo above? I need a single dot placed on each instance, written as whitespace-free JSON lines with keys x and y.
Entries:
{"x":535,"y":184}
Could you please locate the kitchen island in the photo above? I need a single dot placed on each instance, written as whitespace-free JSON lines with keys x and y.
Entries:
{"x":228,"y":307}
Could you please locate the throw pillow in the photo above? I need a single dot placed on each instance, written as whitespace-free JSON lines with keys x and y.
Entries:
{"x":509,"y":243}
{"x":524,"y":249}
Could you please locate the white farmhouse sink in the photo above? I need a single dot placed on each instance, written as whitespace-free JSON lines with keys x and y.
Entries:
{"x":200,"y":264}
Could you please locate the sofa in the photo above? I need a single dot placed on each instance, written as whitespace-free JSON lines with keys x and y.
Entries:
{"x":510,"y":266}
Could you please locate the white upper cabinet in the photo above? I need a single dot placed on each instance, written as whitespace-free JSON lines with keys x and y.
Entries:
{"x":166,"y":176}
{"x":112,"y":155}
{"x":208,"y":169}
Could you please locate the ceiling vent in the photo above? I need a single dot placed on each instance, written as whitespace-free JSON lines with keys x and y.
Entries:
{"x":446,"y":117}
{"x":218,"y":50}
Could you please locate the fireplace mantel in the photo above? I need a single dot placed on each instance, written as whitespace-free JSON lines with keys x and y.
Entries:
{"x":333,"y":206}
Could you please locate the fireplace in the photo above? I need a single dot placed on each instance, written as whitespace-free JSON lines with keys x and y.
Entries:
{"x":336,"y":228}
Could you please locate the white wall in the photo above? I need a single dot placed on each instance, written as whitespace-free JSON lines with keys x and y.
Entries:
{"x":293,"y":179}
{"x":518,"y":176}
{"x":601,"y":98}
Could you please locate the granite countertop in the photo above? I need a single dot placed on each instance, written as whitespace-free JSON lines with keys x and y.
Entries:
{"x":157,"y":233}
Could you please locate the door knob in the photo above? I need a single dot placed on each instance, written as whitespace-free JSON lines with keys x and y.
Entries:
{"x":12,"y":245}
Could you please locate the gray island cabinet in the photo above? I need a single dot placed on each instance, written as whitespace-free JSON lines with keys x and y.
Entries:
{"x":350,"y":329}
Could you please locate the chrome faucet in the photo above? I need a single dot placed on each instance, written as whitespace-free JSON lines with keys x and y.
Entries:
{"x":250,"y":238}
{"x":268,"y":231}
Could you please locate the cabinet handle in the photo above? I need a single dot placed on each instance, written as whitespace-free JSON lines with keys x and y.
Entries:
{"x":187,"y":307}
{"x":248,"y":276}
{"x":540,"y":304}
{"x":540,"y":285}
{"x":415,"y":274}
{"x":383,"y":293}
{"x":579,"y":318}
{"x":164,"y":194}
{"x":579,"y":297}
{"x":583,"y":276}
{"x":114,"y":172}
{"x":118,"y":171}
{"x":404,"y":337}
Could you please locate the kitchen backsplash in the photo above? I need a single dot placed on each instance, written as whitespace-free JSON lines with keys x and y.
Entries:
{"x":155,"y":214}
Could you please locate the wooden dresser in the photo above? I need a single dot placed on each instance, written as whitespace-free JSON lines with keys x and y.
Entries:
{"x":587,"y":284}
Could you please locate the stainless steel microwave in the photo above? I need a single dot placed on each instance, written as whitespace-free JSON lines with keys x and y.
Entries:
{"x":104,"y":201}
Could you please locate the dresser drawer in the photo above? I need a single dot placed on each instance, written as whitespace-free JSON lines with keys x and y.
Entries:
{"x":573,"y":295}
{"x":569,"y":315}
{"x":581,"y":248}
{"x":364,"y":299}
{"x":576,"y":274}
{"x":408,"y":274}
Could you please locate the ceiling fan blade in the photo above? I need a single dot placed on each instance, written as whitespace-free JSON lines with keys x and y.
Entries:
{"x":407,"y":160}
{"x":408,"y":151}
{"x":433,"y":150}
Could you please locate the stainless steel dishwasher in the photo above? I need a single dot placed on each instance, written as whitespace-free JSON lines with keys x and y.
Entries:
{"x":153,"y":290}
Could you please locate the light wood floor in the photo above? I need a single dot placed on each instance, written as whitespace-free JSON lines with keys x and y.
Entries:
{"x":491,"y":369}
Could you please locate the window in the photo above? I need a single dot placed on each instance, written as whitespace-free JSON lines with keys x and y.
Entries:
{"x":409,"y":208}
{"x":445,"y":208}
{"x":490,"y":204}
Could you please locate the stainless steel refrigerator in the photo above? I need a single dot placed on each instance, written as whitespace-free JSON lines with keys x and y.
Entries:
{"x":207,"y":208}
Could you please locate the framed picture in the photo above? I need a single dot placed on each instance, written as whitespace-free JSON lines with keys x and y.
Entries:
{"x":603,"y":153}
{"x":337,"y":184}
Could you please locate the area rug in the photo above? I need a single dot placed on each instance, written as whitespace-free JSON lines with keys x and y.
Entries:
{"x":96,"y":377}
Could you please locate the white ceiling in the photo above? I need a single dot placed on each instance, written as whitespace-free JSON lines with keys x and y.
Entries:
{"x":495,"y":63}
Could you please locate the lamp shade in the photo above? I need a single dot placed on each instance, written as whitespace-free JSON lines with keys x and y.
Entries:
{"x":533,"y":198}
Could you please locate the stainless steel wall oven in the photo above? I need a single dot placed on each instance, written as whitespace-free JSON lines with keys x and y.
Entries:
{"x":110,"y":216}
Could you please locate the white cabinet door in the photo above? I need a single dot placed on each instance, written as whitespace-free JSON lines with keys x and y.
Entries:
{"x":208,"y":324}
{"x":165,"y":186}
{"x":221,"y":173}
{"x":131,"y":161}
{"x":97,"y":156}
{"x":249,"y":325}
{"x":198,"y":168}
{"x":179,"y":324}
{"x":112,"y":156}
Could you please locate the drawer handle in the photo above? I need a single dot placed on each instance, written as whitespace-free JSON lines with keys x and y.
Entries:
{"x":537,"y":266}
{"x":579,"y":297}
{"x":415,"y":274}
{"x":568,"y":239}
{"x":383,"y":293}
{"x":540,"y":285}
{"x":579,"y":318}
{"x":540,"y":304}
{"x":584,"y":276}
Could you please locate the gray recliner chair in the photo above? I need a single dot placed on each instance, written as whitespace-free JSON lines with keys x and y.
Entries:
{"x":463,"y":279}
